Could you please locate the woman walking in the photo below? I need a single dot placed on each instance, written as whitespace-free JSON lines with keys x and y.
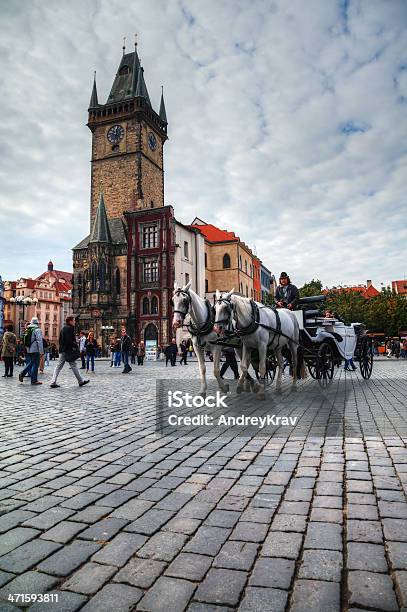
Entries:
{"x":141,"y":353}
{"x":8,"y":350}
{"x":91,"y":347}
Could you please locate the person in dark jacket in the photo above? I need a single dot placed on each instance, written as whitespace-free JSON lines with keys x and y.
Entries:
{"x":125,"y":347}
{"x":230,"y":362}
{"x":141,"y":353}
{"x":171,"y":352}
{"x":68,"y":353}
{"x":287,"y":294}
{"x":184,"y":352}
{"x":91,"y":350}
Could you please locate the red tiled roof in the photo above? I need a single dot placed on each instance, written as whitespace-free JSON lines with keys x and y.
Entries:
{"x":365,"y":292}
{"x":399,"y":286}
{"x":214,"y":234}
{"x":59,"y":276}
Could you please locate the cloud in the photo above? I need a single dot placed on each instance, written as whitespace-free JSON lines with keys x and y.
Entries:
{"x":286,"y":124}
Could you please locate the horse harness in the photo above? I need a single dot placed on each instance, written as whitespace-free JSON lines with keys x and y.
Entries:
{"x":198,"y":331}
{"x":255,"y":322}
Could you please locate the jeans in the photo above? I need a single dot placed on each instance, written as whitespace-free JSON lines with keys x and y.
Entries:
{"x":117,"y":358}
{"x":125,"y":357}
{"x":83,"y":354}
{"x":91,"y":359}
{"x":140,"y":359}
{"x":60,"y":365}
{"x":46,"y":358}
{"x":8,"y":366}
{"x":31,"y":369}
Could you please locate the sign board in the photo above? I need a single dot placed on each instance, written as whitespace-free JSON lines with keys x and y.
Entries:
{"x":151,"y":350}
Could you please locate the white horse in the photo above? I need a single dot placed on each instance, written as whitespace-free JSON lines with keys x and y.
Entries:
{"x":186,"y":301}
{"x":260,"y":327}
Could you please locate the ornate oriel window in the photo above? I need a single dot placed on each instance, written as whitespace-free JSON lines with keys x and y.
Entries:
{"x":150,"y":271}
{"x":154,"y":305}
{"x":150,"y":236}
{"x":94,"y":275}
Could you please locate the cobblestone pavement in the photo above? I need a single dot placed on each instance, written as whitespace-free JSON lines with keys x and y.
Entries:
{"x":98,"y":508}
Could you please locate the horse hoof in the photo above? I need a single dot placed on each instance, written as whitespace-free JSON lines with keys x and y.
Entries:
{"x":239,"y":390}
{"x":202,"y":394}
{"x":278,"y":391}
{"x":225,"y":388}
{"x":257,"y":388}
{"x":246,"y":387}
{"x":261,"y":396}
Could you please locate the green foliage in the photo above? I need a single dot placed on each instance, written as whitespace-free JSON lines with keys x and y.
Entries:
{"x":314,"y":287}
{"x":386,"y":312}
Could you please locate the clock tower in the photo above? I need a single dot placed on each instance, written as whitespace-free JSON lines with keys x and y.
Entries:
{"x":127,"y":183}
{"x":128,"y":137}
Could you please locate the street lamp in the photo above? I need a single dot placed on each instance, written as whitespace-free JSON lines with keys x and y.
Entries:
{"x":107,"y":329}
{"x":23,"y":302}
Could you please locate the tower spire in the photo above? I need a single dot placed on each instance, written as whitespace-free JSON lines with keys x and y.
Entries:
{"x":163,"y":114}
{"x":141,"y":89}
{"x":135,"y":70}
{"x":94,"y":97}
{"x":124,"y":45}
{"x":100,"y":230}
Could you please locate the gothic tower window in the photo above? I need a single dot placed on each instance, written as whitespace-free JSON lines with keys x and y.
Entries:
{"x":78,"y":291}
{"x":154,"y":305}
{"x":102,"y":276}
{"x":94,"y":276}
{"x":146,"y":306}
{"x":117,"y":281}
{"x":226,"y":260}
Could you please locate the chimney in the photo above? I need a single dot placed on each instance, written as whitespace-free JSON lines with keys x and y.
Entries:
{"x":50,"y":266}
{"x":368,"y":283}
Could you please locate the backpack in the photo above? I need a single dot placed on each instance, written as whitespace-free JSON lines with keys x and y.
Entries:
{"x":27,"y":338}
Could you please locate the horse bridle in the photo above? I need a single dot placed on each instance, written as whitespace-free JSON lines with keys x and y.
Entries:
{"x":183,"y":313}
{"x":230,"y":309}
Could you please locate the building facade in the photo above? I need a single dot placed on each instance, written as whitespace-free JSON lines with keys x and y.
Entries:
{"x":400,"y":287}
{"x":265,"y":284}
{"x":228,"y":261}
{"x":47,"y":297}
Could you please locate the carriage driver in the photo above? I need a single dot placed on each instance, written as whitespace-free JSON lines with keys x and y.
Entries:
{"x":287,"y":294}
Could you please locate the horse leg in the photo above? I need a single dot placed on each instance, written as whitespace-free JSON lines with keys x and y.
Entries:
{"x":262,"y":349}
{"x":244,"y":365}
{"x":293,"y":349}
{"x":223,"y":386}
{"x":280,"y":364}
{"x":199,"y":352}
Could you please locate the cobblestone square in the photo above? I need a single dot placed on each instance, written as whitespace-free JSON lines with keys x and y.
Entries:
{"x":100,"y":508}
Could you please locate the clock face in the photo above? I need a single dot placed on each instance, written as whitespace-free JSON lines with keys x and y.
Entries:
{"x":152,"y":141}
{"x":115,"y":134}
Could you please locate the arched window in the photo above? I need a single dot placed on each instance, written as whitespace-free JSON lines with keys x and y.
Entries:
{"x":102,"y":276}
{"x":117,"y":281}
{"x":154,"y":305}
{"x":146,"y":306}
{"x":245,"y":265}
{"x":240,"y":262}
{"x":247,"y":292}
{"x":94,"y":276}
{"x":226,"y":260}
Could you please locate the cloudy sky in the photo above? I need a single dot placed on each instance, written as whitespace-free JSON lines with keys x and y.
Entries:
{"x":287,"y":124}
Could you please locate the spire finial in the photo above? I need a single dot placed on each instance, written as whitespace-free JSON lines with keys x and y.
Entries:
{"x":124,"y":45}
{"x":135,"y":40}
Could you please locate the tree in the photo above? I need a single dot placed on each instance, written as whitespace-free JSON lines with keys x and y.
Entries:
{"x":314,"y":287}
{"x":347,"y":304}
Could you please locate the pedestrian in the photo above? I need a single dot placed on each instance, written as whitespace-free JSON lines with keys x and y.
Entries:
{"x":133,"y":352}
{"x":141,"y":353}
{"x":125,"y":347}
{"x":19,"y":353}
{"x":184,"y":353}
{"x":404,"y":349}
{"x":230,"y":362}
{"x":82,"y":340}
{"x":112,"y":351}
{"x":45,"y":345}
{"x":349,"y":365}
{"x":8,"y":350}
{"x":190,"y":347}
{"x":117,"y":353}
{"x":34,"y":347}
{"x":68,"y":353}
{"x":91,"y":347}
{"x":46,"y":352}
{"x":173,"y":352}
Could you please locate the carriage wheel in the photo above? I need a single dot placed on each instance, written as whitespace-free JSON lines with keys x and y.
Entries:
{"x":325,"y":364}
{"x":312,"y":368}
{"x":271,"y":367}
{"x":366,"y":358}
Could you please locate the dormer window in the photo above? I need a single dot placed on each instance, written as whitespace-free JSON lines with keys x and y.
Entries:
{"x":124,"y":70}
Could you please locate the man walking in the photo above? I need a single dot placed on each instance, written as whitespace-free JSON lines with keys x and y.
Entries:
{"x":82,"y":340}
{"x":68,"y":353}
{"x":184,"y":353}
{"x":173,"y":350}
{"x":125,"y":346}
{"x":230,"y":362}
{"x":34,"y":347}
